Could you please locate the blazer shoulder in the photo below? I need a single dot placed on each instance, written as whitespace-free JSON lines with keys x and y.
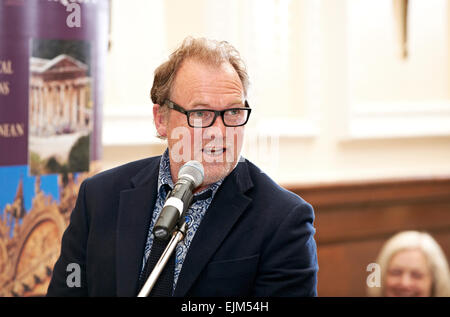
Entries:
{"x":122,"y":175}
{"x":265,"y":185}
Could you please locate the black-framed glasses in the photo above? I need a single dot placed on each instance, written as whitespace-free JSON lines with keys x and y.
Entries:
{"x":204,"y":118}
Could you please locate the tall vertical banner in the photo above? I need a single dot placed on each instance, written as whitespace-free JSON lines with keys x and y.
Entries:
{"x":52,"y":57}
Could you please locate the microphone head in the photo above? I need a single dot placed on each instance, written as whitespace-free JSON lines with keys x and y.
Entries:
{"x":194,"y":170}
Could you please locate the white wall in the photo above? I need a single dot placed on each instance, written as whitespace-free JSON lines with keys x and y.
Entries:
{"x":332,"y":100}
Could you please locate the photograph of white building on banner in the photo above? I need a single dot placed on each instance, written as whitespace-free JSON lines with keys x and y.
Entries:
{"x":60,"y":115}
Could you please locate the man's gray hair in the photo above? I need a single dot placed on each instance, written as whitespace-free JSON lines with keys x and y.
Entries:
{"x":204,"y":50}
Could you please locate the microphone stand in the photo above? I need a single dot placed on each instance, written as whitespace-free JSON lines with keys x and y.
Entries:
{"x":177,"y":236}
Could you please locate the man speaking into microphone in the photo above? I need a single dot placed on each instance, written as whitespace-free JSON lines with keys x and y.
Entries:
{"x":246,"y":236}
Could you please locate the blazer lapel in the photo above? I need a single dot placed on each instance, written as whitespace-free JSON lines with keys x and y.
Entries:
{"x":135,"y":210}
{"x":227,"y":206}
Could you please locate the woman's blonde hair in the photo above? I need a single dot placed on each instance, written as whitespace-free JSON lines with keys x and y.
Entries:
{"x":409,"y":240}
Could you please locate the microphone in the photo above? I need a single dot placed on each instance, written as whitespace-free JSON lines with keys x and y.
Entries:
{"x":179,"y":199}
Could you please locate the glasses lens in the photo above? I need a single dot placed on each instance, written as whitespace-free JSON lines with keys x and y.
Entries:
{"x":201,"y":118}
{"x":235,"y":117}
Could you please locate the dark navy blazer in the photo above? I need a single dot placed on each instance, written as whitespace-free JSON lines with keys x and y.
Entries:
{"x":256,"y":238}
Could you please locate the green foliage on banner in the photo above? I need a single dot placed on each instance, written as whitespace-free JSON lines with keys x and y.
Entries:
{"x":77,"y":161}
{"x":79,"y":155}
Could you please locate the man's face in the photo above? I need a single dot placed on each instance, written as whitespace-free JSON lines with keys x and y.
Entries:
{"x":201,"y":86}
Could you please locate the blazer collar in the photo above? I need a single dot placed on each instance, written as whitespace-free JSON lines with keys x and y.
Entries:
{"x":134,"y":215}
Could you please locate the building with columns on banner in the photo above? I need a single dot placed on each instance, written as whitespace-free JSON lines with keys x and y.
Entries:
{"x":60,"y":96}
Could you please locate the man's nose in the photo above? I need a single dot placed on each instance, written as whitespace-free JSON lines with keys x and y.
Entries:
{"x":219,"y":122}
{"x":218,"y":125}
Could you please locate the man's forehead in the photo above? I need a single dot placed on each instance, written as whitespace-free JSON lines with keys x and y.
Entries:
{"x":196,"y":82}
{"x":196,"y":69}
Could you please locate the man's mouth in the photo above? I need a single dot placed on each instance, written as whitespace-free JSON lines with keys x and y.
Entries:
{"x":214,"y":151}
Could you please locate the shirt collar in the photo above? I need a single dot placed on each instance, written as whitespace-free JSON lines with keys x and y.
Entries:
{"x":165,"y":182}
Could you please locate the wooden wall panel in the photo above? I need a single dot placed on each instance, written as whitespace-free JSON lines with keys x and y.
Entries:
{"x":353,"y":220}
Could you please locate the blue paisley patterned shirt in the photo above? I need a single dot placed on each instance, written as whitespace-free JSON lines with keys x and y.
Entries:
{"x":194,"y":214}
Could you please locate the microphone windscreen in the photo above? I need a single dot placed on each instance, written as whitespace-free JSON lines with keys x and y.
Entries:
{"x":195,"y":170}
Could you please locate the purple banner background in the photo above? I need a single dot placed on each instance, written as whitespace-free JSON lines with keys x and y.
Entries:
{"x":21,"y":20}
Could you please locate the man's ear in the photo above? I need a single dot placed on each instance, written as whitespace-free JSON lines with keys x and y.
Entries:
{"x":160,"y":120}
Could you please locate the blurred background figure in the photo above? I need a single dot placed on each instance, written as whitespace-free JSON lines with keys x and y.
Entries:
{"x":412,"y":265}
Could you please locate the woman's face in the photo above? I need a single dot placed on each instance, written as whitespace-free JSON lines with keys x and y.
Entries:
{"x":408,"y":275}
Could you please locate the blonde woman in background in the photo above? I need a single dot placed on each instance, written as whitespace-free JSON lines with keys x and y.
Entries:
{"x":412,"y":264}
